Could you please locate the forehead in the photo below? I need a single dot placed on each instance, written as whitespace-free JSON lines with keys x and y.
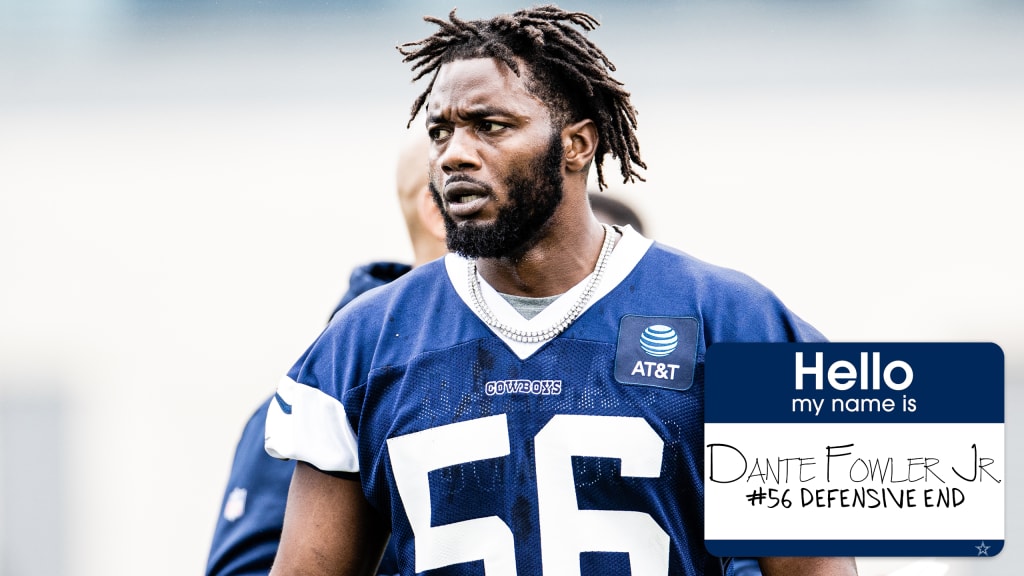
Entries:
{"x":464,"y":87}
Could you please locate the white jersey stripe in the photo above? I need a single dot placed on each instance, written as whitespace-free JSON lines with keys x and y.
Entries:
{"x":627,"y":254}
{"x":306,"y":424}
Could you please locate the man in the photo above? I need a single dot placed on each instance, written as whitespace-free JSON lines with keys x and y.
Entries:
{"x":484,"y":409}
{"x":249,"y":529}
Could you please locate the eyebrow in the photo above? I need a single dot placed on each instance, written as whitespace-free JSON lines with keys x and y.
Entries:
{"x":473,"y":113}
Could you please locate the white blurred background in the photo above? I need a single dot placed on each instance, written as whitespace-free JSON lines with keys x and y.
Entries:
{"x":185,"y":186}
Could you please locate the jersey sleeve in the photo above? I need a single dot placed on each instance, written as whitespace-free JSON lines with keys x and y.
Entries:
{"x":307,"y":419}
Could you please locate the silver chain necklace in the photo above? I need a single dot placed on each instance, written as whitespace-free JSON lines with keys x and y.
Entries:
{"x":533,"y":336}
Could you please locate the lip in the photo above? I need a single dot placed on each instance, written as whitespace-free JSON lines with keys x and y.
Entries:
{"x":463,"y":199}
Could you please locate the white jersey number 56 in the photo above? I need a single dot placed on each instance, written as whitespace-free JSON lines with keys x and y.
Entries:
{"x":565,"y":529}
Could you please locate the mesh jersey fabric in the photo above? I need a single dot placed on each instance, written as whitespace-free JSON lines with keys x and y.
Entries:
{"x":538,"y":464}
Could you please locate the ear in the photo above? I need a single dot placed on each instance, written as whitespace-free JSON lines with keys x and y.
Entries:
{"x":579,"y":141}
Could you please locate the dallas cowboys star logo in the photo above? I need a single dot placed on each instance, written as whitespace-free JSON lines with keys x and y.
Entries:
{"x":983,"y":549}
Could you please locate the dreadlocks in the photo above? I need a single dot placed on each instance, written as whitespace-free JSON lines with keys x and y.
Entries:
{"x":567,"y":71}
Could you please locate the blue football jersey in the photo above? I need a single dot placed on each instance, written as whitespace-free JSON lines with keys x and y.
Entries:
{"x":579,"y":455}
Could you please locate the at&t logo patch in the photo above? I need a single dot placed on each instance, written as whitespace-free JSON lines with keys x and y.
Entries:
{"x":656,"y":351}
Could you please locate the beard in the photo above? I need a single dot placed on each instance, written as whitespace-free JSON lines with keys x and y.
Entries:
{"x":533,"y":197}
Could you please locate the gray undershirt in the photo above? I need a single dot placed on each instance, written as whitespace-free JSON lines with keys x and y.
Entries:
{"x":529,"y":307}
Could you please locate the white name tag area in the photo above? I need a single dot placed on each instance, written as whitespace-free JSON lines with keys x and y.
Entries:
{"x":854,"y":449}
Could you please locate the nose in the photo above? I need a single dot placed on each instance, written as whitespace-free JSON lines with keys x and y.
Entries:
{"x":459,"y":152}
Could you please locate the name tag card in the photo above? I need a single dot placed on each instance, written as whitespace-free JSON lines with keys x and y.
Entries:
{"x":838,"y":449}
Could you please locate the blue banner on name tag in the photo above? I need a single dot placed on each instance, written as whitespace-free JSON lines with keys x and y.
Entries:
{"x":860,"y":449}
{"x":842,"y":382}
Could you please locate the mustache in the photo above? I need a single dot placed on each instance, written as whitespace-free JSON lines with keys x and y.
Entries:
{"x":467,"y":178}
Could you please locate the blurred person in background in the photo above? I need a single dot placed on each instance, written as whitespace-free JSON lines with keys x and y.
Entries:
{"x":248,"y":531}
{"x":611,"y":210}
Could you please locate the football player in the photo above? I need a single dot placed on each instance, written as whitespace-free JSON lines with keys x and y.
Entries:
{"x":533,"y":402}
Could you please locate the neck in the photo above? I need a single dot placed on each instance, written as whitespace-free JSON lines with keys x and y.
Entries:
{"x":559,"y":261}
